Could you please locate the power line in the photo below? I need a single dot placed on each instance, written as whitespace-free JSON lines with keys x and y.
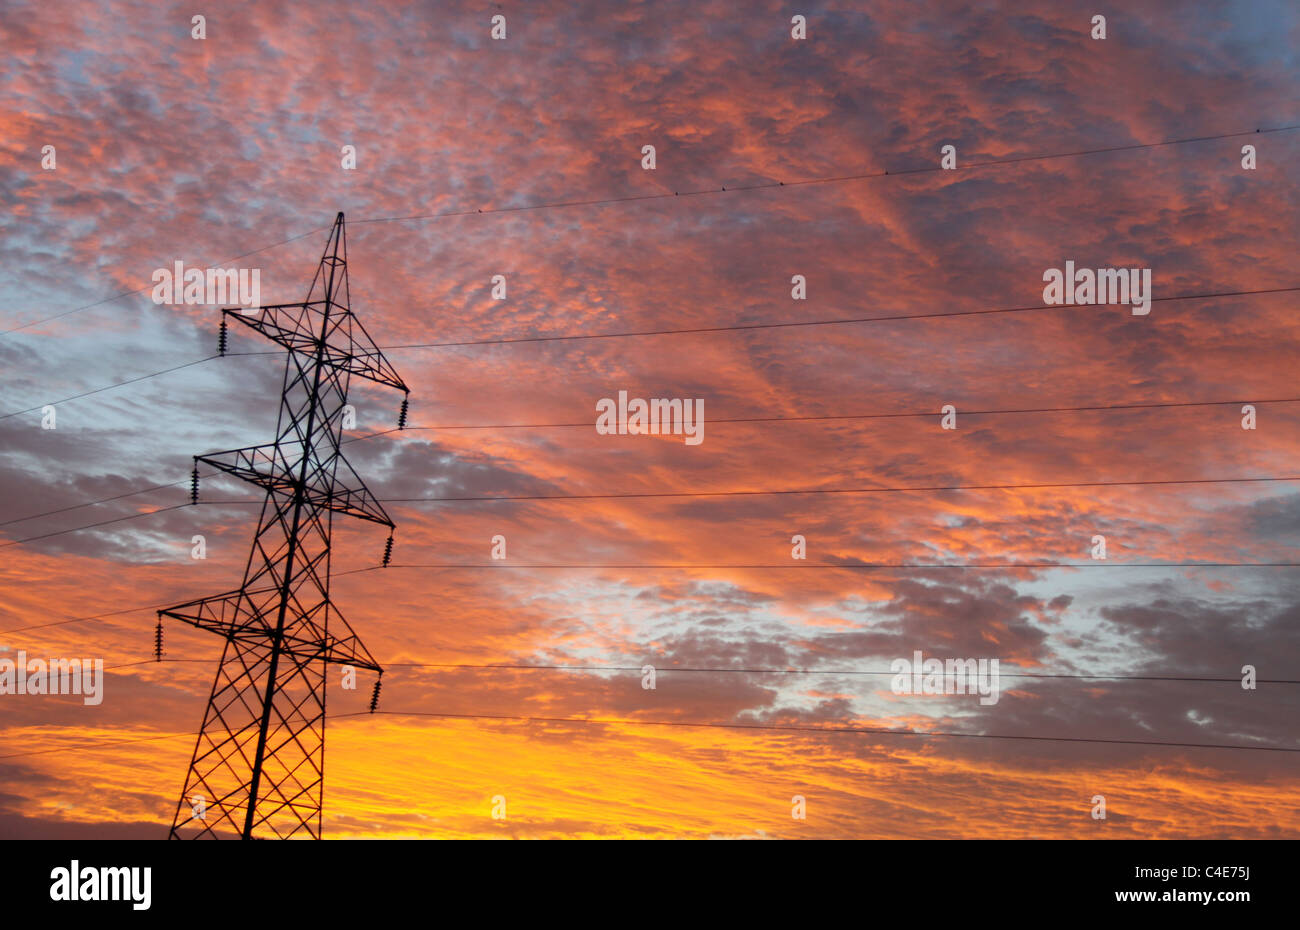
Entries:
{"x":761,"y":419}
{"x":809,"y":566}
{"x":372,"y":568}
{"x":770,"y":185}
{"x":871,"y":731}
{"x":109,"y":668}
{"x":91,"y":526}
{"x":737,"y":670}
{"x":688,"y":331}
{"x":773,"y":492}
{"x":109,"y":387}
{"x":809,"y":671}
{"x":106,"y":500}
{"x":858,"y":416}
{"x":147,"y":287}
{"x":103,"y":616}
{"x":787,"y":728}
{"x":102,"y":500}
{"x":546,"y":205}
{"x":881,"y":490}
{"x":98,"y":744}
{"x":747,"y":327}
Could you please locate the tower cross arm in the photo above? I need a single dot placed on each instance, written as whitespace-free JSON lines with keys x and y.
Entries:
{"x":231,"y":615}
{"x":267,"y":467}
{"x":347,"y":346}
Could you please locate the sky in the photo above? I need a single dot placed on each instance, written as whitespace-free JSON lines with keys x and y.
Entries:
{"x":774,"y":157}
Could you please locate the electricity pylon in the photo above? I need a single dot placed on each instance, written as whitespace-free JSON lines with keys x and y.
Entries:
{"x":259,"y":764}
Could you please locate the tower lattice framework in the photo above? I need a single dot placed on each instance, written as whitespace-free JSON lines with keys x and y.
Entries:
{"x":258,"y":768}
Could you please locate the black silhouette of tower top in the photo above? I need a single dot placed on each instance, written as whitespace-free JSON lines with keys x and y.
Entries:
{"x":258,"y":768}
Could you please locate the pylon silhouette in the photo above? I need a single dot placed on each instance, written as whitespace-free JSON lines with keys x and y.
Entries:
{"x":258,"y":768}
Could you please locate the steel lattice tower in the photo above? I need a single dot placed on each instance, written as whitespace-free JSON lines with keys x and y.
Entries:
{"x":259,"y":762}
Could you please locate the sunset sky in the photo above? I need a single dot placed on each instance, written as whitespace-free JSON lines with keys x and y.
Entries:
{"x":174,"y":149}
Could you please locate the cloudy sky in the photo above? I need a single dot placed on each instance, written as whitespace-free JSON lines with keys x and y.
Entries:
{"x":170,"y":148}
